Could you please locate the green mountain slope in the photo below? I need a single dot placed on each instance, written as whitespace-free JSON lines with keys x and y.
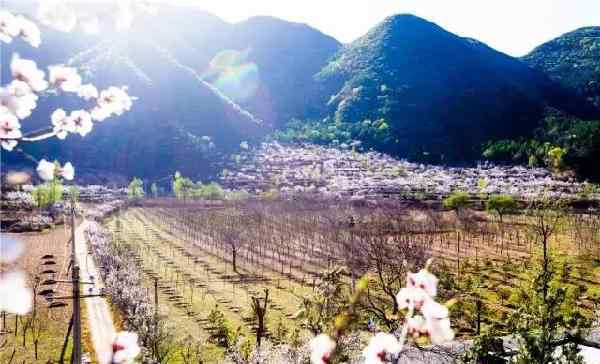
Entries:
{"x":411,"y":88}
{"x":573,"y":60}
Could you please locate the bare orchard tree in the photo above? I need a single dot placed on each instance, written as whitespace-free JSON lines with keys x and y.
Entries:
{"x":260,"y":311}
{"x":389,"y":258}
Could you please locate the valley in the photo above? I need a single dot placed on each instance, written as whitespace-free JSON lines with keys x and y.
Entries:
{"x":183,"y":186}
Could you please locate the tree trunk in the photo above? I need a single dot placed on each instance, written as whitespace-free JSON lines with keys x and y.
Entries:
{"x":233,"y":260}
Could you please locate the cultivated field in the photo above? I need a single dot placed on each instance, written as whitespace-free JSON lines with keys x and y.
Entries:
{"x":204,"y":257}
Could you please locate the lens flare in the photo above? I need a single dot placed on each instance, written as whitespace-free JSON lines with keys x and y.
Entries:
{"x":232,"y":73}
{"x":17,"y":178}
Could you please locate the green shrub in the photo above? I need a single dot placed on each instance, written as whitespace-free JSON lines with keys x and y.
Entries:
{"x":221,"y":334}
{"x":210,"y":191}
{"x":49,"y":193}
{"x":457,"y":200}
{"x":135,"y":189}
{"x":501,"y":204}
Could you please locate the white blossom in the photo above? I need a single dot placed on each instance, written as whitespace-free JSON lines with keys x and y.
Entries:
{"x":9,"y":26}
{"x":62,"y":125}
{"x":18,"y":99}
{"x":15,"y":297}
{"x":432,"y":309}
{"x":125,"y":348}
{"x":65,"y":78}
{"x":411,"y":298}
{"x":9,"y":144}
{"x":439,"y":330}
{"x":26,"y":70}
{"x":423,"y":280}
{"x":87,"y":92}
{"x":437,"y":322}
{"x":321,"y":349}
{"x":10,"y":248}
{"x":46,"y":170}
{"x":416,"y":326}
{"x":244,"y":145}
{"x":67,"y":171}
{"x":100,"y":114}
{"x":10,"y":128}
{"x":81,"y":122}
{"x":29,"y":31}
{"x":115,"y":100}
{"x":58,"y":15}
{"x":381,"y":348}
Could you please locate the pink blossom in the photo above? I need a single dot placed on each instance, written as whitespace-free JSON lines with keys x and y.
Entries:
{"x":62,"y":124}
{"x":65,"y":78}
{"x":28,"y":31}
{"x":81,"y":122}
{"x":18,"y":99}
{"x":10,"y":128}
{"x":9,"y":26}
{"x":115,"y":100}
{"x":321,"y":348}
{"x":26,"y":70}
{"x":381,"y":348}
{"x":125,"y":348}
{"x":67,"y":171}
{"x":423,"y":280}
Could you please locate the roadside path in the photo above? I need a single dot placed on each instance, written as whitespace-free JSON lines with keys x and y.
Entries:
{"x":99,"y":316}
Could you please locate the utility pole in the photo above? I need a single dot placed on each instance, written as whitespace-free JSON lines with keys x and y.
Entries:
{"x":156,"y":297}
{"x":76,"y":300}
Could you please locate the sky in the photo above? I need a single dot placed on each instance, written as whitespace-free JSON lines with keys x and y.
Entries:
{"x":511,"y":26}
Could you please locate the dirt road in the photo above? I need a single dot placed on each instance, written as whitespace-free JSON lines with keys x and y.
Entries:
{"x":99,"y":316}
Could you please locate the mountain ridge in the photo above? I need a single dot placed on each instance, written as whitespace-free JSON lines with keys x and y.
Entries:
{"x":427,"y":94}
{"x":573,"y":60}
{"x":429,"y":86}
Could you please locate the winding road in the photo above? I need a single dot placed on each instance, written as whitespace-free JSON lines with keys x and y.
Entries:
{"x":99,"y":316}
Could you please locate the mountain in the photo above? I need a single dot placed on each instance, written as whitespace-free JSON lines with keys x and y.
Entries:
{"x":287,"y":56}
{"x":413,"y":89}
{"x":573,"y":60}
{"x":263,"y":63}
{"x":408,"y":87}
{"x":168,"y":66}
{"x":158,"y":135}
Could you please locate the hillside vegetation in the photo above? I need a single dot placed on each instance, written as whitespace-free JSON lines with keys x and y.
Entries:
{"x":410,"y":88}
{"x":573,"y":60}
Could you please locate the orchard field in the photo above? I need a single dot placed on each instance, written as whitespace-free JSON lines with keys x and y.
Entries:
{"x":206,"y":264}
